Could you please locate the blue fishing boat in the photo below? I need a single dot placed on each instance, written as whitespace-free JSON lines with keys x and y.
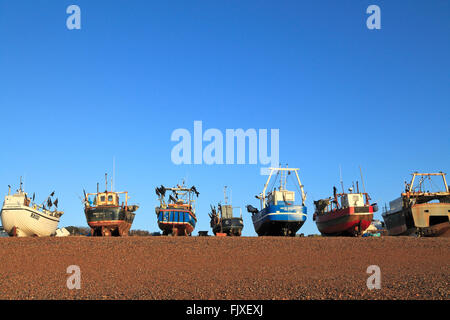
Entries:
{"x":279,"y":215}
{"x":176,"y":217}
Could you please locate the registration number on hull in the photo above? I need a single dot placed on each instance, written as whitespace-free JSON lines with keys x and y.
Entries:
{"x":34,"y":216}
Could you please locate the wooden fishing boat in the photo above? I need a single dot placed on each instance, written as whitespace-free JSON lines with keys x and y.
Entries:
{"x":22,"y":217}
{"x":176,"y":217}
{"x":108,"y":213}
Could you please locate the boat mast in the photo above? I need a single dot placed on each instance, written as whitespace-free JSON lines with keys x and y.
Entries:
{"x":412,"y":181}
{"x":263,"y":195}
{"x":445,"y":182}
{"x":362,"y":180}
{"x":114,"y":174}
{"x":301,"y":187}
{"x":281,"y":180}
{"x":340,"y":175}
{"x":225,"y":194}
{"x":285,"y":177}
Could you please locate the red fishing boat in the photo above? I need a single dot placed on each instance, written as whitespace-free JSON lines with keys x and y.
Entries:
{"x":344,"y":214}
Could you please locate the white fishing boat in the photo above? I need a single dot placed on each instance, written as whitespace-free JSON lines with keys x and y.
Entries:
{"x":21,"y":217}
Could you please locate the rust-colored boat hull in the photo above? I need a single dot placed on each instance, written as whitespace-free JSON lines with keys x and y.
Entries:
{"x":110,"y":228}
{"x":109,"y":221}
{"x":345,"y":222}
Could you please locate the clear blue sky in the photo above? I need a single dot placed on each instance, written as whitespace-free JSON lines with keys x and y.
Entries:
{"x":340,"y":94}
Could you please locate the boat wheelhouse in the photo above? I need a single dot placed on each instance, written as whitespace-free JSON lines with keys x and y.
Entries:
{"x":279,"y":215}
{"x":176,"y":216}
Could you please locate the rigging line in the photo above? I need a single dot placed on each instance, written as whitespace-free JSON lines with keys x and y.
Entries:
{"x":273,"y":182}
{"x":297,"y":186}
{"x":432,"y":184}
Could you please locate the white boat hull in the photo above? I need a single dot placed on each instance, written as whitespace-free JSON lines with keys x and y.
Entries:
{"x":24,"y":221}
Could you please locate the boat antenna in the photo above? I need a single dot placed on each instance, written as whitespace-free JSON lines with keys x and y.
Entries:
{"x":97,"y":188}
{"x":286,"y":176}
{"x":281,"y":179}
{"x":340,"y":175}
{"x":106,"y":182}
{"x":362,"y":180}
{"x":114,"y":174}
{"x":225,"y":194}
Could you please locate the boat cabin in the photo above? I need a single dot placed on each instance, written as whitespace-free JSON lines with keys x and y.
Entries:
{"x":395,"y":205}
{"x":352,"y":200}
{"x":179,"y":205}
{"x":342,"y":201}
{"x":20,"y":198}
{"x":227,"y":211}
{"x":280,"y":195}
{"x":107,"y":198}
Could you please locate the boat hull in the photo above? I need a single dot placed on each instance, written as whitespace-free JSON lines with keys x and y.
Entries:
{"x":350,"y":221}
{"x":231,"y":226}
{"x":176,"y":222}
{"x":426,"y":219}
{"x":24,"y":221}
{"x":279,"y":220}
{"x":109,"y":221}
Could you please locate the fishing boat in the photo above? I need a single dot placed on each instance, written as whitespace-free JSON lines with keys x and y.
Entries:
{"x":279,"y":215}
{"x":344,"y":214}
{"x":22,"y":217}
{"x":176,"y":217}
{"x":223,"y":222}
{"x":419,"y":211}
{"x":108,"y":213}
